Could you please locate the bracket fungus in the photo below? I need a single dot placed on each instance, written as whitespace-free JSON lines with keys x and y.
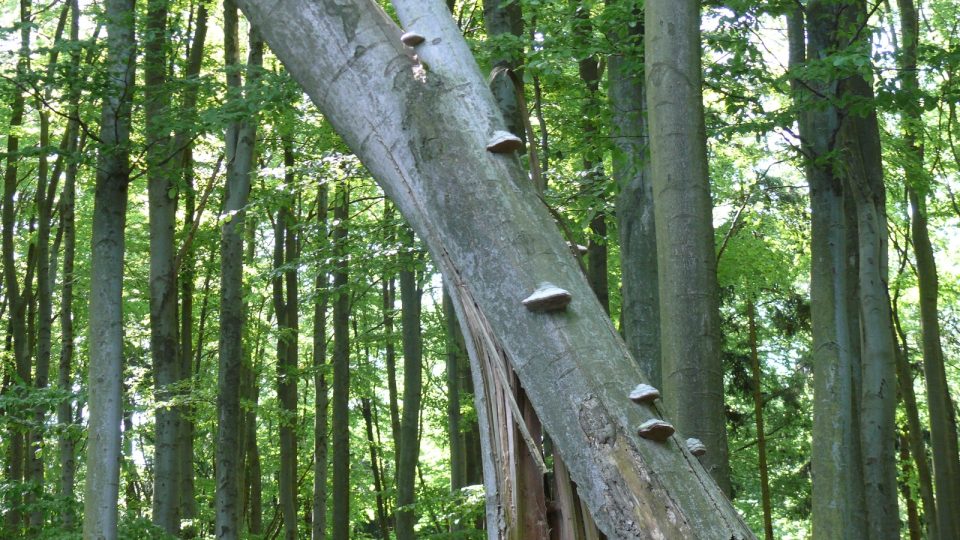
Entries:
{"x":577,"y":248}
{"x":696,"y":447}
{"x":504,"y":142}
{"x":644,"y":393}
{"x":656,"y":430}
{"x":547,"y":297}
{"x":412,"y":39}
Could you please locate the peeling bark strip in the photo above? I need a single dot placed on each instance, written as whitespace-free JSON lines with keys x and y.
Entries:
{"x":422,"y":132}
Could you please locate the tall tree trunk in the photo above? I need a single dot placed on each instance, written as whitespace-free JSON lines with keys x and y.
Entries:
{"x":67,"y":439}
{"x":410,"y":298}
{"x":286,"y":306}
{"x":455,"y":351}
{"x":574,"y":367}
{"x":240,"y":142}
{"x":164,"y":343}
{"x":340,"y":433}
{"x":106,"y":282}
{"x":838,"y":504}
{"x":383,"y":526}
{"x":16,"y":299}
{"x":389,"y":293}
{"x":188,"y":504}
{"x":943,"y":424}
{"x":687,"y":263}
{"x":640,"y":305}
{"x":321,"y":402}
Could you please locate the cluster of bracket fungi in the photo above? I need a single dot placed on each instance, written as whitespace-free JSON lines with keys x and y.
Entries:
{"x":548,"y":297}
{"x":660,"y":430}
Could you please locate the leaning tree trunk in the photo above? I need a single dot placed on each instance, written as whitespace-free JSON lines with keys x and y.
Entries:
{"x":494,"y":242}
{"x":106,"y":281}
{"x":687,"y":263}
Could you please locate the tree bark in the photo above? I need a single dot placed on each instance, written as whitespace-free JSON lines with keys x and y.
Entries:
{"x":106,"y":282}
{"x":838,"y":504}
{"x":640,"y":304}
{"x":573,"y":365}
{"x":240,"y":141}
{"x":758,"y":414}
{"x":164,"y":344}
{"x":687,"y":262}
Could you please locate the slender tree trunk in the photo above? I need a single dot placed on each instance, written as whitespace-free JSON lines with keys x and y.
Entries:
{"x":640,"y":307}
{"x":240,"y":141}
{"x":383,"y":526}
{"x":689,"y":295}
{"x":188,"y":505}
{"x":410,"y":297}
{"x":758,"y":414}
{"x":106,"y":283}
{"x":579,"y":391}
{"x":943,"y":424}
{"x":67,"y":439}
{"x":16,"y":299}
{"x":285,"y":301}
{"x":390,"y":352}
{"x":321,"y":403}
{"x":340,"y":434}
{"x":455,"y":351}
{"x":913,"y":515}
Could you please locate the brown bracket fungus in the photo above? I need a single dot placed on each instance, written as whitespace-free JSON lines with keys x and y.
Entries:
{"x":656,"y":430}
{"x":412,"y":39}
{"x":644,"y":393}
{"x":547,"y":297}
{"x":696,"y":447}
{"x":504,"y":142}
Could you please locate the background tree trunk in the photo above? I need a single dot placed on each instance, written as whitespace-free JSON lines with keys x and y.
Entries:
{"x":410,"y":298}
{"x":687,"y":263}
{"x":340,"y":433}
{"x":106,"y":286}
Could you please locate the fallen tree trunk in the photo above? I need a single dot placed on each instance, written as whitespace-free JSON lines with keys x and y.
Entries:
{"x":420,"y":120}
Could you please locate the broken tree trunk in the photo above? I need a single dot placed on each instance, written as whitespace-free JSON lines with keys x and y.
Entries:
{"x":421,"y":125}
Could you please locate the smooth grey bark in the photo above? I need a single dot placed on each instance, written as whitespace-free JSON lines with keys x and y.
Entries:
{"x":409,"y":449}
{"x":860,"y":137}
{"x":640,"y":305}
{"x":686,"y":261}
{"x":340,"y":432}
{"x":494,"y":242}
{"x":164,"y":343}
{"x":943,"y":425}
{"x":106,"y":281}
{"x":322,"y":399}
{"x":240,"y":144}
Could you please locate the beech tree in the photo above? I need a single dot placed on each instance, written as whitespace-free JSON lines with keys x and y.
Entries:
{"x":572,"y":364}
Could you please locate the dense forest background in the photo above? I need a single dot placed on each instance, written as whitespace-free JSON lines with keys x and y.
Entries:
{"x":340,"y":304}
